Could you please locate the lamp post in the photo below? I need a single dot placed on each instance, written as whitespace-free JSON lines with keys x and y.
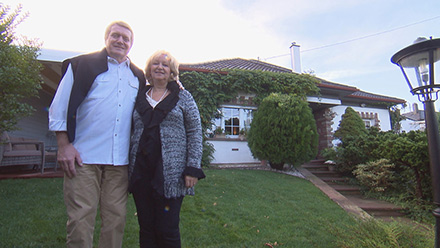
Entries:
{"x":417,"y":63}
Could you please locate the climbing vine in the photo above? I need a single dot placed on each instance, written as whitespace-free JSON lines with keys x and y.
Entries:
{"x":212,"y":89}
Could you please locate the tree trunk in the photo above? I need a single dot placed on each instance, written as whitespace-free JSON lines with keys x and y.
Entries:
{"x":277,"y":166}
{"x":419,"y":191}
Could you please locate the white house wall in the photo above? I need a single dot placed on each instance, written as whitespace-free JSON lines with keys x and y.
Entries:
{"x":383,"y":116}
{"x":232,"y":152}
{"x":410,"y":125}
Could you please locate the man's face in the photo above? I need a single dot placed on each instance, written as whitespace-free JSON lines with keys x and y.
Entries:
{"x":118,"y":43}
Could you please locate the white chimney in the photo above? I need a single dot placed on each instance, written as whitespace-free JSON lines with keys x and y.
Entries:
{"x":415,"y":108}
{"x":296,"y":58}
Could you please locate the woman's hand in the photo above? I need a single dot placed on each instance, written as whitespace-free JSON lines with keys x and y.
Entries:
{"x":190,"y":181}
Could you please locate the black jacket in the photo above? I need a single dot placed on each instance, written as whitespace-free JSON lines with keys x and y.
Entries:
{"x":85,"y":69}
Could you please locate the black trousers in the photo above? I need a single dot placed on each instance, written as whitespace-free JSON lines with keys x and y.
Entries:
{"x":158,"y":218}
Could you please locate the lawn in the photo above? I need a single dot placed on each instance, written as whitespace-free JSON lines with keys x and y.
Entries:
{"x":232,"y":208}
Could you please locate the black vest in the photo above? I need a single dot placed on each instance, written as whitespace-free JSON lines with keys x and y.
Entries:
{"x":85,"y":69}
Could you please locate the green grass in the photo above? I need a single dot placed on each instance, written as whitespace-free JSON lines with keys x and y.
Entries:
{"x":232,"y":208}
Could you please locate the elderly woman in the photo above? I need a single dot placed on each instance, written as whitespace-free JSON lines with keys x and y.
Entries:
{"x":165,"y":153}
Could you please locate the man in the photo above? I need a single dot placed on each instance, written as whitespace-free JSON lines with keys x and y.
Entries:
{"x":91,"y":115}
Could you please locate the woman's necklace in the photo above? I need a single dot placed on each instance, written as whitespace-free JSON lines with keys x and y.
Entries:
{"x":164,"y":93}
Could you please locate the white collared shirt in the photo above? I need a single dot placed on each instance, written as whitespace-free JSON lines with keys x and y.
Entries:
{"x":103,"y":120}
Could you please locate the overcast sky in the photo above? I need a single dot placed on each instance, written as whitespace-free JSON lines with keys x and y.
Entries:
{"x":343,"y":41}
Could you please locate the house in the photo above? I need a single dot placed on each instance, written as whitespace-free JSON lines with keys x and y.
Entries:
{"x":328,"y":107}
{"x":414,"y":120}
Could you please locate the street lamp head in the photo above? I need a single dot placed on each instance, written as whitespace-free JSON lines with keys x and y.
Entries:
{"x":417,"y":63}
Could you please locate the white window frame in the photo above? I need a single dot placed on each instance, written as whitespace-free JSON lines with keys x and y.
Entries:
{"x":243,"y":116}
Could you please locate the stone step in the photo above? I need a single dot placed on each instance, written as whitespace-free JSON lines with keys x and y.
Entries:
{"x":330,"y":180}
{"x":315,"y":162}
{"x":313,"y":168}
{"x":376,"y":207}
{"x":347,"y":189}
{"x":325,"y":173}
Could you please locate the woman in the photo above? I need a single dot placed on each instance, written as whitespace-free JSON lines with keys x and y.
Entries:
{"x":165,"y":153}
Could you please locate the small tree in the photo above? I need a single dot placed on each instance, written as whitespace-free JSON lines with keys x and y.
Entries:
{"x":283,"y":130}
{"x":19,"y":70}
{"x":351,"y":124}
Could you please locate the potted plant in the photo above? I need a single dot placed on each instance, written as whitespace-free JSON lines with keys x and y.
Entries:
{"x":331,"y":165}
{"x":219,"y":132}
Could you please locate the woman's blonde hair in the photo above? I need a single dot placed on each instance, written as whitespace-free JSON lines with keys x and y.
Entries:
{"x":174,"y":66}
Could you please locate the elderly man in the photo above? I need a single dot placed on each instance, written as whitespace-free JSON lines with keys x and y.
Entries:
{"x":91,"y":114}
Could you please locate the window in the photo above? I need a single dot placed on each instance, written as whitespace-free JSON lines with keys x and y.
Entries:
{"x":248,"y":115}
{"x":234,"y":119}
{"x":367,"y":123}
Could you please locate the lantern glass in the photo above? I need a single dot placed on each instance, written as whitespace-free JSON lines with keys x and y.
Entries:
{"x":418,"y":68}
{"x":419,"y":63}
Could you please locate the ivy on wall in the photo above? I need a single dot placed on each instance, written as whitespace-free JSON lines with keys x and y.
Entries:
{"x":212,"y":89}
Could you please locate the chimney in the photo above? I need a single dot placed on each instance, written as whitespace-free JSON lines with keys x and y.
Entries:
{"x":296,"y":58}
{"x":415,"y":108}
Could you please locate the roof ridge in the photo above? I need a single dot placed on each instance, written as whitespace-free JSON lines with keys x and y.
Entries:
{"x":238,"y":63}
{"x":211,"y":61}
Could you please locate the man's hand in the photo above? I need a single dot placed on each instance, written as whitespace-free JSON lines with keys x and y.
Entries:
{"x":180,"y":85}
{"x":67,"y":155}
{"x":190,"y":181}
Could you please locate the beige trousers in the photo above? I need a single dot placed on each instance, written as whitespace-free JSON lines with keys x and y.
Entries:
{"x":94,"y":186}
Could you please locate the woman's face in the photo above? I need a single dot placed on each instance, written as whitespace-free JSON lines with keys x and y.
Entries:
{"x":160,"y":68}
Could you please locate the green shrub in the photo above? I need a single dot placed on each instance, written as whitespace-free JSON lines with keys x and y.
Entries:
{"x":357,"y":149}
{"x":330,"y":154}
{"x":351,"y":124}
{"x":376,"y":176}
{"x":283,"y":130}
{"x":409,"y":151}
{"x":411,"y":187}
{"x":208,"y":153}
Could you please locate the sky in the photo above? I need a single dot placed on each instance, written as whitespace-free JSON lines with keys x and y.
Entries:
{"x":349,"y":42}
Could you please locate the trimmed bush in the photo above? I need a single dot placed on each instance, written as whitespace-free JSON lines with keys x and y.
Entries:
{"x":283,"y":130}
{"x":351,"y":124}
